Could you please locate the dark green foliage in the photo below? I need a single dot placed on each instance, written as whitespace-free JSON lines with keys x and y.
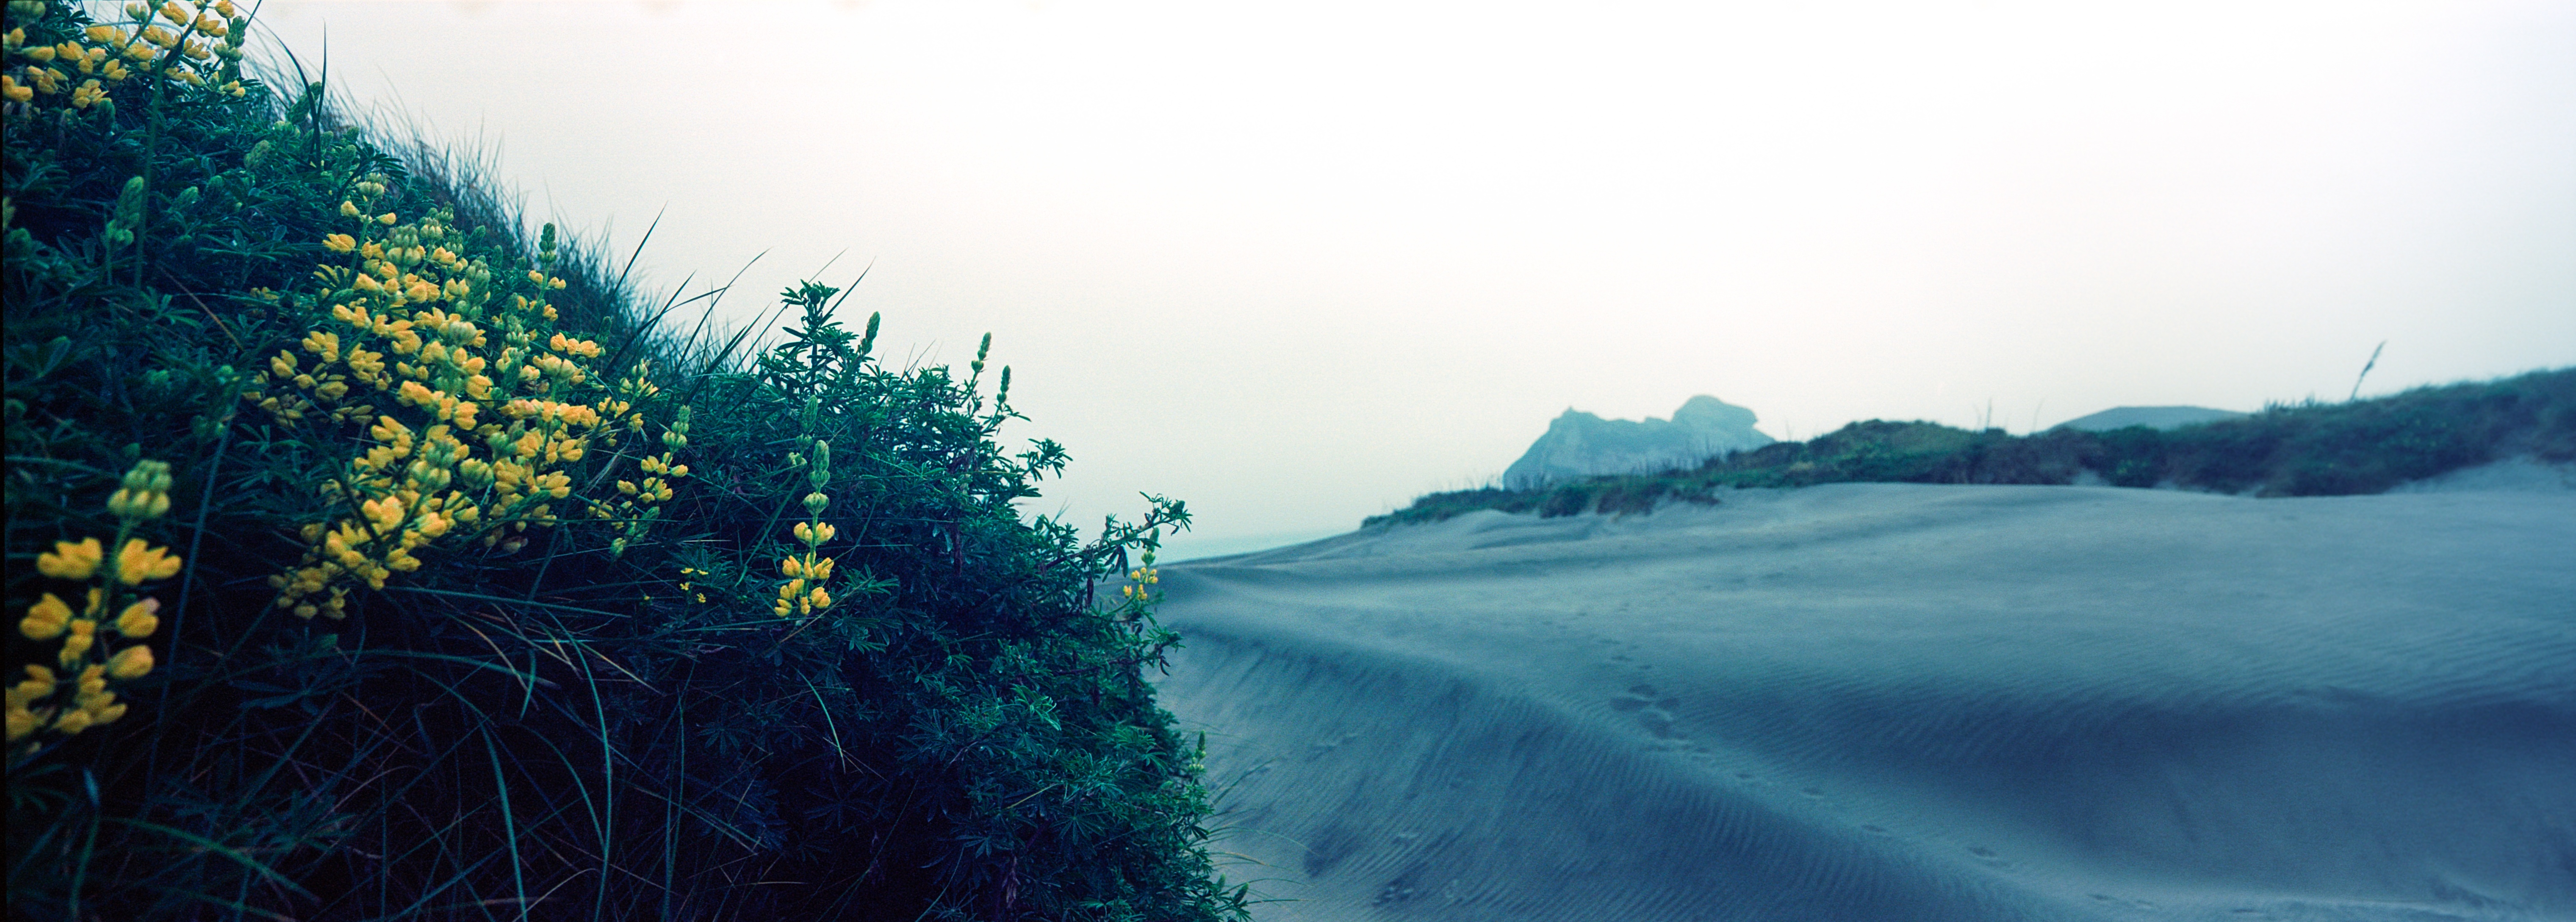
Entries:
{"x":561,"y":727}
{"x":2309,"y":449}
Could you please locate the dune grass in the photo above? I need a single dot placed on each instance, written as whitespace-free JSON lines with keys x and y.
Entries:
{"x":438,"y":574}
{"x":2304,"y":449}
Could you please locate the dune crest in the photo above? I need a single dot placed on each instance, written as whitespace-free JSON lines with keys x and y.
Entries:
{"x":1897,"y":701}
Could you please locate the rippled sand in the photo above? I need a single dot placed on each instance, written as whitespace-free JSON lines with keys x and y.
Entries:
{"x":1890,"y":701}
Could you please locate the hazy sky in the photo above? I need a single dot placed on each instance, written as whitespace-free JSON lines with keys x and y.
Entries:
{"x":1297,"y":262}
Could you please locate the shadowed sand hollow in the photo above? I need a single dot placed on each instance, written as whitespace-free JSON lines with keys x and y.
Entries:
{"x":1895,"y":701}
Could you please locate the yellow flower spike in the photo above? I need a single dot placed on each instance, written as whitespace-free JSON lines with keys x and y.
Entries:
{"x":130,"y":663}
{"x":140,"y":619}
{"x":74,"y":561}
{"x":135,"y":563}
{"x":76,"y":643}
{"x":340,"y":243}
{"x":46,"y":619}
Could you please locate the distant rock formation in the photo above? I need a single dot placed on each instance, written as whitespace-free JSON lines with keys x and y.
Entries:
{"x":2150,"y":417}
{"x":1579,"y":444}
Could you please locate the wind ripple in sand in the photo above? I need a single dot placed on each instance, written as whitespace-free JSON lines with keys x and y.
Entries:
{"x":1883,"y":701}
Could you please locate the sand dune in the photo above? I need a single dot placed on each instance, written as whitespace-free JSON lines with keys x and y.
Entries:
{"x":1888,"y":701}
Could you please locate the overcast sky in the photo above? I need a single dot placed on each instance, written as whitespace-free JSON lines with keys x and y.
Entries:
{"x":1297,"y":262}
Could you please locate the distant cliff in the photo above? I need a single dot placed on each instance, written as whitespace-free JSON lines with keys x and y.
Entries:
{"x":1579,"y":444}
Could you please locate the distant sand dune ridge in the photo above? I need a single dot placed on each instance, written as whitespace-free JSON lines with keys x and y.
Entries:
{"x":1905,"y":702}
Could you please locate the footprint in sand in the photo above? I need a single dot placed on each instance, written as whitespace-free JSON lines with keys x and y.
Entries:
{"x":1653,"y":712}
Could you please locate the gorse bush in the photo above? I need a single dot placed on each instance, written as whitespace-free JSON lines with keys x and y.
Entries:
{"x":2306,"y":449}
{"x":370,"y":560}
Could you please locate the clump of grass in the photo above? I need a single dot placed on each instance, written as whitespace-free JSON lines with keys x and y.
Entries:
{"x":475,"y":591}
{"x":2305,"y":449}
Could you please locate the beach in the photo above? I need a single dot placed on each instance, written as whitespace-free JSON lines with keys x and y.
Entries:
{"x":1902,"y":701}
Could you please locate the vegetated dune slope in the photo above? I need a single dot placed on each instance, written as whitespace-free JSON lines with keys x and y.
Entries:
{"x":1904,"y":702}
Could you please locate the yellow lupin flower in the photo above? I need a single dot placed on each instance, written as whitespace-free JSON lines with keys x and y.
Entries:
{"x":46,"y":619}
{"x":340,"y":243}
{"x":130,"y":663}
{"x":71,"y":560}
{"x":386,"y":513}
{"x":135,"y":563}
{"x":76,"y":644}
{"x":324,"y":344}
{"x":139,"y":619}
{"x":38,"y":685}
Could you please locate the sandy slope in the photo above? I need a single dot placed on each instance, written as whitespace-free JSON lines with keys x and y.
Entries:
{"x":1888,"y":701}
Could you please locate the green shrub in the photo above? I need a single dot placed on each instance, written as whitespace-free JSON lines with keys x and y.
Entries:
{"x":469,"y":589}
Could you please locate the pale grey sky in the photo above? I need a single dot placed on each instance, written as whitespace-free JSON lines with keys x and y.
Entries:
{"x":1297,"y":262}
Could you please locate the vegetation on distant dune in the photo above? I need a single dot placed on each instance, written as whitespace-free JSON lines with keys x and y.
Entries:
{"x":370,"y":560}
{"x":2305,"y":449}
